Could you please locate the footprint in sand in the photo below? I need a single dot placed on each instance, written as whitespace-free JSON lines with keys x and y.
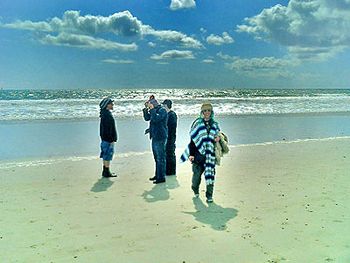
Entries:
{"x":246,"y":236}
{"x":277,"y":260}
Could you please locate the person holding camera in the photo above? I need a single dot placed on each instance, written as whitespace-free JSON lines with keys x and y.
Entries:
{"x":158,"y":131}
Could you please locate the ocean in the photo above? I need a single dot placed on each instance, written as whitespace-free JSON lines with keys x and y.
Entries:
{"x":64,"y":123}
{"x":83,"y":104}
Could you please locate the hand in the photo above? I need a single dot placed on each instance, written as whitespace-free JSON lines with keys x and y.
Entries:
{"x":150,"y":106}
{"x":191,"y":158}
{"x":217,"y":138}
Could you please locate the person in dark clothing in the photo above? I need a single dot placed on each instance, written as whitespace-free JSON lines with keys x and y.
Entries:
{"x":170,"y":144}
{"x":158,"y":117}
{"x":108,"y":134}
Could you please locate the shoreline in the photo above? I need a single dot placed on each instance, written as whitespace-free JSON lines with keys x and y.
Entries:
{"x":37,"y":161}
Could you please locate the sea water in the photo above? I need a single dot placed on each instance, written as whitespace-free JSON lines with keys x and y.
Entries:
{"x":51,"y":123}
{"x":83,"y":104}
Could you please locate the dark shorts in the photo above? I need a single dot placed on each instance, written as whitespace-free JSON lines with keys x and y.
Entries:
{"x":107,"y":151}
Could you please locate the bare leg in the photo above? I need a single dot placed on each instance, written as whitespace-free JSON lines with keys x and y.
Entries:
{"x":106,"y":164}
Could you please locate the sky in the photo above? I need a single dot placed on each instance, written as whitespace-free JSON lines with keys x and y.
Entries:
{"x":73,"y":44}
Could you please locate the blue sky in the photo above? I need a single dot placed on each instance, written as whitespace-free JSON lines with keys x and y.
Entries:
{"x":174,"y":44}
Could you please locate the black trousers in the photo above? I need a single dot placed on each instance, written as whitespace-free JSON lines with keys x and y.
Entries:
{"x":170,"y":158}
{"x":198,"y":170}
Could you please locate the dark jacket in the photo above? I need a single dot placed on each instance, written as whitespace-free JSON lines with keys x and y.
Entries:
{"x":158,"y":118}
{"x":198,"y":157}
{"x":172,"y":124}
{"x":108,"y":131}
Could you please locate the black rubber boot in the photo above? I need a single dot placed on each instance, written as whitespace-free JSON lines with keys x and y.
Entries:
{"x":107,"y":173}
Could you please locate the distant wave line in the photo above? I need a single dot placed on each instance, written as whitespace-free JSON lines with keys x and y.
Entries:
{"x":291,"y":142}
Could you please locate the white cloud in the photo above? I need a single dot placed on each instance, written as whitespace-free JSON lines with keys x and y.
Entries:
{"x":262,"y":64}
{"x":174,"y":54}
{"x":181,"y":4}
{"x":315,"y":29}
{"x":173,"y":36}
{"x":162,"y":63}
{"x":261,"y":67}
{"x":218,"y":40}
{"x":29,"y":25}
{"x":208,"y":61}
{"x":226,"y":57}
{"x":151,"y":44}
{"x":314,"y":53}
{"x":82,"y":41}
{"x":118,"y":61}
{"x":122,"y":24}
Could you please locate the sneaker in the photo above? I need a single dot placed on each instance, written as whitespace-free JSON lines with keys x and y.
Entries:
{"x":209,"y":200}
{"x":153,"y":178}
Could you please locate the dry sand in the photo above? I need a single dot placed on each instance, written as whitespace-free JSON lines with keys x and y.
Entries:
{"x":285,"y":202}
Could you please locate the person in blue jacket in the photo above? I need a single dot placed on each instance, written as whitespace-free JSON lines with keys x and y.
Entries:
{"x":158,"y":131}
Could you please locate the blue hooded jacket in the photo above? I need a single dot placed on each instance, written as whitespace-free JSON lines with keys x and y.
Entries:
{"x":158,"y":118}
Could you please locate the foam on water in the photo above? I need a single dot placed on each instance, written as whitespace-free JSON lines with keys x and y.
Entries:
{"x":291,"y":142}
{"x":32,"y":163}
{"x":83,"y":104}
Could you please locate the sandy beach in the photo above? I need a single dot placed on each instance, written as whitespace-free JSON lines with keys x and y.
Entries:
{"x":284,"y":202}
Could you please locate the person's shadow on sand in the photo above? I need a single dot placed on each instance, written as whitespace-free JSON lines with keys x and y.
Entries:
{"x":172,"y":182}
{"x":159,"y":192}
{"x":213,"y":214}
{"x":101,"y":185}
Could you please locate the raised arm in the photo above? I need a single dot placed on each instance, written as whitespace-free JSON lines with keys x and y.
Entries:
{"x":146,"y":114}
